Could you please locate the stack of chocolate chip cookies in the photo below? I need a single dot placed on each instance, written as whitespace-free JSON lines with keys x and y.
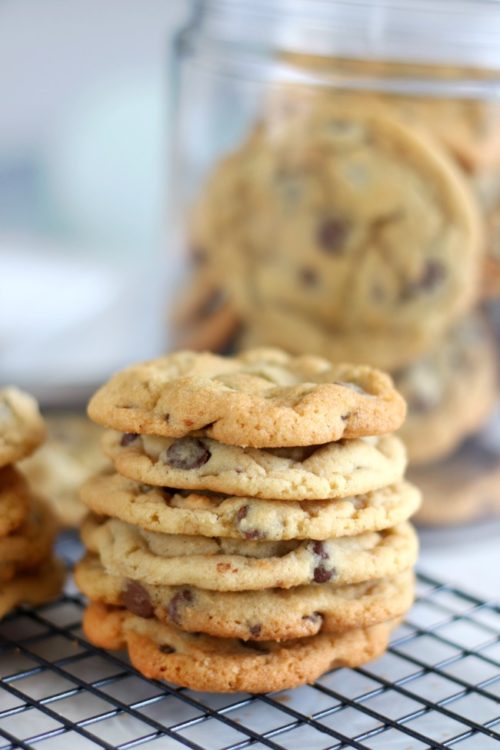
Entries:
{"x":252,"y":532}
{"x":28,"y":573}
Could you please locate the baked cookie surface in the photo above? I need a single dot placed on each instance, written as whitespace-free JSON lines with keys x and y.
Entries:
{"x":270,"y":614}
{"x":208,"y":514}
{"x":222,"y":564}
{"x":338,"y":469}
{"x":260,"y":398}
{"x":201,"y":662}
{"x":21,"y":425}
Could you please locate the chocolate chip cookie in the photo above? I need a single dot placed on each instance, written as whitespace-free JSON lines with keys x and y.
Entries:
{"x":346,"y":215}
{"x":21,"y":426}
{"x":15,"y":500}
{"x":270,"y":614}
{"x":338,"y":469}
{"x":33,"y":587}
{"x":222,"y":564}
{"x":68,"y":457}
{"x":209,"y":514}
{"x":261,"y":398}
{"x":201,"y":662}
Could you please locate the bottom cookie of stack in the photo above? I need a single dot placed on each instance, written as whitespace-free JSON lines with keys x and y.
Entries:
{"x":202,"y":662}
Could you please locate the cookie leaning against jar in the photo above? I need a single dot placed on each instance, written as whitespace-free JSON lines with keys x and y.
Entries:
{"x":381,"y":255}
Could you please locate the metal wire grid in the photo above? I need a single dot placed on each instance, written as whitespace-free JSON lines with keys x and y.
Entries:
{"x":438,"y":686}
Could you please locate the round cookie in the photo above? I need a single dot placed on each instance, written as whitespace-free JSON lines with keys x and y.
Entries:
{"x":462,"y":488}
{"x":261,"y":398}
{"x":29,"y":544}
{"x":226,"y":665}
{"x":15,"y":499}
{"x":201,"y":514}
{"x":270,"y":614}
{"x":341,"y":213}
{"x":450,"y":392}
{"x":33,"y":588}
{"x":334,"y":470}
{"x":222,"y":564}
{"x":68,"y":457}
{"x":21,"y":425}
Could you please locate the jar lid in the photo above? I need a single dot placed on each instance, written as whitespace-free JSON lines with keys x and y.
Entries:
{"x":451,"y":32}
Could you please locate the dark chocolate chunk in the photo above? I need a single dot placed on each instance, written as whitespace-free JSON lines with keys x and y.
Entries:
{"x":255,"y":630}
{"x":322,"y":575}
{"x":136,"y":599}
{"x":127,"y":438}
{"x":332,"y":234}
{"x":432,"y":277}
{"x":187,"y":453}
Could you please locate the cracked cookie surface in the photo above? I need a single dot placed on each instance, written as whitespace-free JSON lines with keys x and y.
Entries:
{"x":261,"y":398}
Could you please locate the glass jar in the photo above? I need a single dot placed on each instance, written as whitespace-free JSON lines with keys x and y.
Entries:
{"x":337,"y":183}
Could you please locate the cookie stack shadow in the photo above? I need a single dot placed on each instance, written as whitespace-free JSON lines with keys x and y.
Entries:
{"x":207,"y":581}
{"x":28,"y":572}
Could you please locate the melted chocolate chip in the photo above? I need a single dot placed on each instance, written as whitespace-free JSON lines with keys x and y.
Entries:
{"x":242,"y":512}
{"x":136,"y":599}
{"x":127,"y":438}
{"x":254,"y":534}
{"x":166,"y":649}
{"x":322,"y":575}
{"x":331,"y":235}
{"x":308,"y":277}
{"x":182,"y":597}
{"x":187,"y":453}
{"x":255,"y":630}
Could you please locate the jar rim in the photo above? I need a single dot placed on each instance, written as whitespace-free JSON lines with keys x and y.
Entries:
{"x":446,"y":32}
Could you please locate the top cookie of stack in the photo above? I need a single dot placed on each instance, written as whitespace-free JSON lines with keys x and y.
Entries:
{"x":259,"y":500}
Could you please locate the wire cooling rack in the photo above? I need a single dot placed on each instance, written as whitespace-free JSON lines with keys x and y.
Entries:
{"x":438,"y":686}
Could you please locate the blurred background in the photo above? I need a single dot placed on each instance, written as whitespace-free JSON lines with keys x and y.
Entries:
{"x":85,"y":91}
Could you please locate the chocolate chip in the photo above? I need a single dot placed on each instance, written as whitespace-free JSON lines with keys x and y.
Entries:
{"x":308,"y":277}
{"x":320,"y":551}
{"x":127,"y":438}
{"x":136,"y":599}
{"x":166,"y":649}
{"x":242,"y":512}
{"x":187,"y":453}
{"x":255,"y":630}
{"x":432,"y":276}
{"x":253,"y":534}
{"x":182,"y":597}
{"x":322,"y":575}
{"x":331,"y":235}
